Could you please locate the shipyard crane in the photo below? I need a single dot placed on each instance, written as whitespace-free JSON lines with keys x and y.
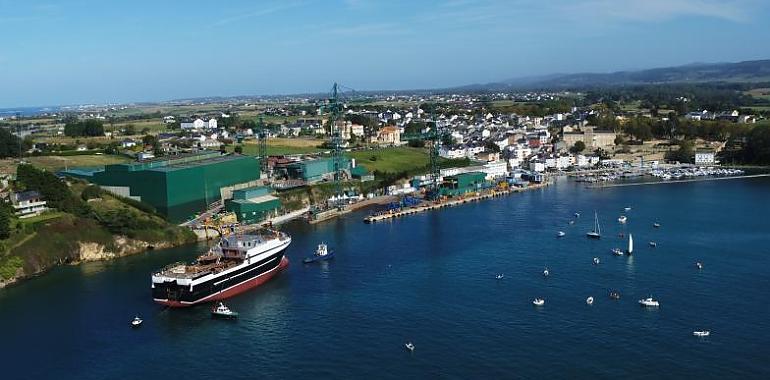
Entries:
{"x":435,"y":135}
{"x":334,"y":108}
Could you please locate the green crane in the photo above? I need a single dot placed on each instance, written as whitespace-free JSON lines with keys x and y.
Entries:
{"x":334,"y":108}
{"x":434,"y":137}
{"x":262,"y":134}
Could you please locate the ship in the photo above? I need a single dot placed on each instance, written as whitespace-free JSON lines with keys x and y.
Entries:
{"x":234,"y":265}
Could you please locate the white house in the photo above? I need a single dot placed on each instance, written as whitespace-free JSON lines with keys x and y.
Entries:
{"x":200,"y":124}
{"x":128,"y":143}
{"x":495,"y":169}
{"x":452,"y":152}
{"x":705,"y":157}
{"x":27,"y":204}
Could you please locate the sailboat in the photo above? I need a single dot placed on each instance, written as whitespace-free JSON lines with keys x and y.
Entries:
{"x":630,"y":244}
{"x":596,"y":233}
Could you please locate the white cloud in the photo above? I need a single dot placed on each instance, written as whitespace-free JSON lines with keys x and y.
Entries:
{"x":662,"y":10}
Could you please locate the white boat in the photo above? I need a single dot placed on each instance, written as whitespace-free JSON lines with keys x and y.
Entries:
{"x":699,"y":265}
{"x":538,"y":302}
{"x":701,"y":333}
{"x":627,"y":209}
{"x":499,"y":276}
{"x":136,"y":322}
{"x":622,"y":219}
{"x":649,"y":302}
{"x":560,"y":234}
{"x":630,"y":244}
{"x":656,"y":225}
{"x":577,"y":214}
{"x":596,"y":233}
{"x":653,"y":244}
{"x":409,"y":346}
{"x":590,"y":300}
{"x":222,"y":311}
{"x":545,"y":272}
{"x":617,"y":252}
{"x":596,"y":261}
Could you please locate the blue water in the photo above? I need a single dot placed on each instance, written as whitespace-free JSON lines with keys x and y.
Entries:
{"x":429,"y":279}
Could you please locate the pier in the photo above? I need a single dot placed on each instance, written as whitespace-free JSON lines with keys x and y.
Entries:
{"x":450,"y":203}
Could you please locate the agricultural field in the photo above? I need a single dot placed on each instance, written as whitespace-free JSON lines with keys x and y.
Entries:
{"x":56,"y":163}
{"x":282,"y":146}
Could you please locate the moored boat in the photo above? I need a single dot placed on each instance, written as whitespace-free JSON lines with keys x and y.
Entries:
{"x":622,"y":219}
{"x":701,"y":333}
{"x":649,"y":302}
{"x":538,"y":302}
{"x":596,"y":233}
{"x":136,"y":322}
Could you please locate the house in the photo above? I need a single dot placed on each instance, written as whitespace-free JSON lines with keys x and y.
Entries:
{"x":591,"y":138}
{"x":495,"y":169}
{"x":27,"y":204}
{"x":199,"y":124}
{"x":457,"y":152}
{"x":209,"y":144}
{"x":705,"y":157}
{"x":389,"y":136}
{"x":128,"y":143}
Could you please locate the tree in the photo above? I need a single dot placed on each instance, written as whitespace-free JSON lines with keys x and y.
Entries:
{"x":491,"y":146}
{"x":239,"y":149}
{"x":88,"y":127}
{"x":5,"y":223}
{"x":685,"y":153}
{"x":578,"y":147}
{"x":10,"y":145}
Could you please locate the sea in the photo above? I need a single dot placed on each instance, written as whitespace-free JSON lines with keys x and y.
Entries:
{"x":430,"y":279}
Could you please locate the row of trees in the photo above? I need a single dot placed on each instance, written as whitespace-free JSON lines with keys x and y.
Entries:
{"x":11,"y":145}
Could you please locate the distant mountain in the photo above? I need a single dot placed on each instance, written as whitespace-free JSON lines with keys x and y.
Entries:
{"x":747,"y":71}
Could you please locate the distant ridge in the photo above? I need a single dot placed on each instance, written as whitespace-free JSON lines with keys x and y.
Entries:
{"x":746,"y":71}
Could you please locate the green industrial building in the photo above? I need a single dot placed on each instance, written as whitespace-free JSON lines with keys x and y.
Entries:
{"x":177,"y":187}
{"x":463,"y":183}
{"x":253,"y":205}
{"x":314,"y":170}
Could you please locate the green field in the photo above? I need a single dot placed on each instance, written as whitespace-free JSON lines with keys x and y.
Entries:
{"x":392,"y":160}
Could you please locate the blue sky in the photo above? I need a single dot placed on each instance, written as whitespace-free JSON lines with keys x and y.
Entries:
{"x":82,"y":51}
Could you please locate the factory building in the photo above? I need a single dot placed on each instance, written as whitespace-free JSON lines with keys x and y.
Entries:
{"x":177,"y":187}
{"x":253,"y":204}
{"x":463,"y":183}
{"x":313,"y":170}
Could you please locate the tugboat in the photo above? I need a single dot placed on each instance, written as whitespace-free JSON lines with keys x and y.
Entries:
{"x":321,"y":253}
{"x":136,"y":322}
{"x":222,"y":311}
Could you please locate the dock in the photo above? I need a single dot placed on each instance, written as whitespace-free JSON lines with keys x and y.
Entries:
{"x":450,"y":203}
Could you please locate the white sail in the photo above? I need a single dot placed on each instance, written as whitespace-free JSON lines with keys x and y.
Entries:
{"x":598,"y":228}
{"x":630,"y":243}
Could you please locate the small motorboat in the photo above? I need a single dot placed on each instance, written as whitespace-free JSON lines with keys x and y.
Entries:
{"x":560,"y":234}
{"x":627,"y":209}
{"x":546,"y":272}
{"x":614,"y":294}
{"x":590,"y":300}
{"x":622,"y":219}
{"x":656,"y":225}
{"x":577,"y":214}
{"x":653,"y":244}
{"x":617,"y":252}
{"x":222,"y":311}
{"x":136,"y":322}
{"x":538,"y":302}
{"x":500,"y":276}
{"x":649,"y":302}
{"x":571,"y":222}
{"x":701,"y":333}
{"x":596,"y":261}
{"x":409,"y":346}
{"x":699,"y":265}
{"x":321,"y":253}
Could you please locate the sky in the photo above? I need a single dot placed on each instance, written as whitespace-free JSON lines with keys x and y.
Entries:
{"x":96,"y":52}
